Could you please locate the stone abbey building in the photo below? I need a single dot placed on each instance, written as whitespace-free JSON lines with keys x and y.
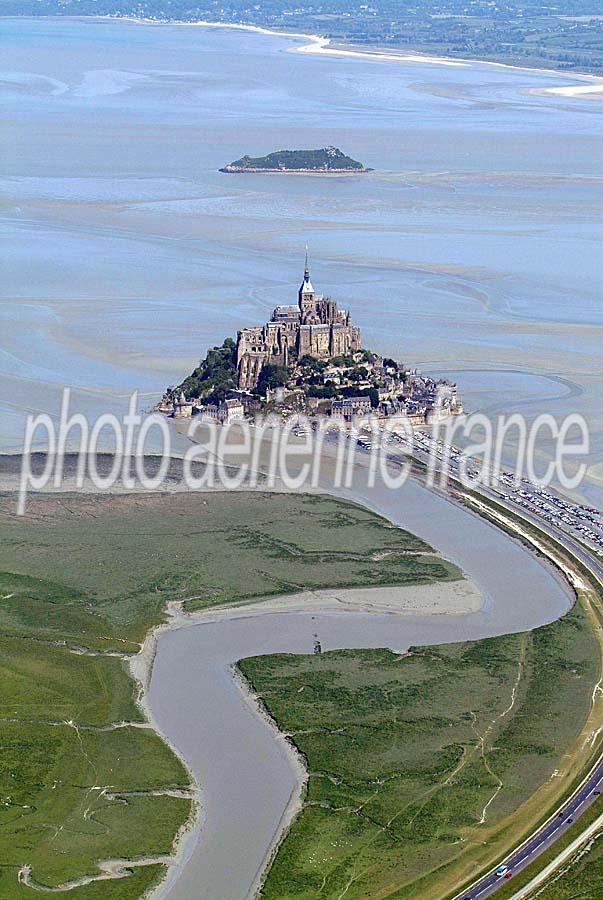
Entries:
{"x":314,"y":327}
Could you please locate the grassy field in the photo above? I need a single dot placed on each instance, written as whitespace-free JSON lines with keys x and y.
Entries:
{"x":81,"y":582}
{"x":582,"y":877}
{"x":415,"y":761}
{"x":213,"y":549}
{"x":67,"y":763}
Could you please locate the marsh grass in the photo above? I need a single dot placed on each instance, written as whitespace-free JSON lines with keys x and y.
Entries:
{"x":82,"y":580}
{"x":406,"y":754}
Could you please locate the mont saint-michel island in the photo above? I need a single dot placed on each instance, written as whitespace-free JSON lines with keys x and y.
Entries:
{"x":308,"y":359}
{"x":326,"y":161}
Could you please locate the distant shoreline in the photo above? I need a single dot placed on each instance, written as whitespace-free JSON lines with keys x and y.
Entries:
{"x":323,"y":46}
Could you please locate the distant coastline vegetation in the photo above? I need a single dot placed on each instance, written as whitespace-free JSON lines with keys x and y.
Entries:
{"x":518,"y":32}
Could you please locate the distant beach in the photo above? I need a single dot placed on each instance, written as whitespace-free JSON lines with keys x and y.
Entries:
{"x":324,"y":46}
{"x":578,"y":90}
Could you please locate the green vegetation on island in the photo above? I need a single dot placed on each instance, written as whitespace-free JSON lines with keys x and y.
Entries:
{"x":414,"y":761}
{"x":83,"y":578}
{"x":215,"y":376}
{"x":328,"y":159}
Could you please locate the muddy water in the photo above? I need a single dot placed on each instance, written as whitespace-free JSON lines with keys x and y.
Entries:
{"x":248,"y":777}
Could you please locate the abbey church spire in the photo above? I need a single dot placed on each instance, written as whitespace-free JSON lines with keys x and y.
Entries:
{"x":307,"y":294}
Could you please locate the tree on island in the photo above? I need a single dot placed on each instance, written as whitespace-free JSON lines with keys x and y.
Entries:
{"x":270,"y":378}
{"x":371,"y":392}
{"x":342,"y":362}
{"x":324,"y":392}
{"x":326,"y":159}
{"x":360,"y":373}
{"x":311,"y":363}
{"x":215,"y":375}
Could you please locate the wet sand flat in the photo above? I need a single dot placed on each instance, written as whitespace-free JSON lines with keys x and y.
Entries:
{"x":441,"y":599}
{"x":467,"y":251}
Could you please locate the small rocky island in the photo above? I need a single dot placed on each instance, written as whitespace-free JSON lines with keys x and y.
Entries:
{"x":327,"y":160}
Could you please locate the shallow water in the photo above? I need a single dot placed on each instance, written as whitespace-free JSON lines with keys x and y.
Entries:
{"x":246,"y":776}
{"x":473,"y":249}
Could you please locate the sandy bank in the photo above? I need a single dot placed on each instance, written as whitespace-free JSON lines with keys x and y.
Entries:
{"x":295,"y":803}
{"x":447,"y":598}
{"x":576,"y":90}
{"x":320,"y":46}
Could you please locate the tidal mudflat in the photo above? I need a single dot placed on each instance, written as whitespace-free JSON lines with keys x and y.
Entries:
{"x":468,"y":251}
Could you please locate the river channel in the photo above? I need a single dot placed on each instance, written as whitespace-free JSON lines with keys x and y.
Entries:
{"x":249,"y":778}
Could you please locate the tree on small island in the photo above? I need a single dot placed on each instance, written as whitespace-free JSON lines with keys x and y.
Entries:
{"x":311,"y":364}
{"x":215,"y":376}
{"x":270,"y":378}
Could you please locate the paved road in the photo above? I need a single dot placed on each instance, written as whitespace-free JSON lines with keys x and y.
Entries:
{"x":542,"y":839}
{"x":592,"y":786}
{"x":589,"y":790}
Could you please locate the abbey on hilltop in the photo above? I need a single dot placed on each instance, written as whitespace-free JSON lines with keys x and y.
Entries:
{"x":307,"y":359}
{"x":315,"y":327}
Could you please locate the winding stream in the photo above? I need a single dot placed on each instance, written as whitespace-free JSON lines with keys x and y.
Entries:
{"x":248,"y":776}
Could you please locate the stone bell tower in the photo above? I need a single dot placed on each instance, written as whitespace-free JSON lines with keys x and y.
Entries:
{"x":307,"y":294}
